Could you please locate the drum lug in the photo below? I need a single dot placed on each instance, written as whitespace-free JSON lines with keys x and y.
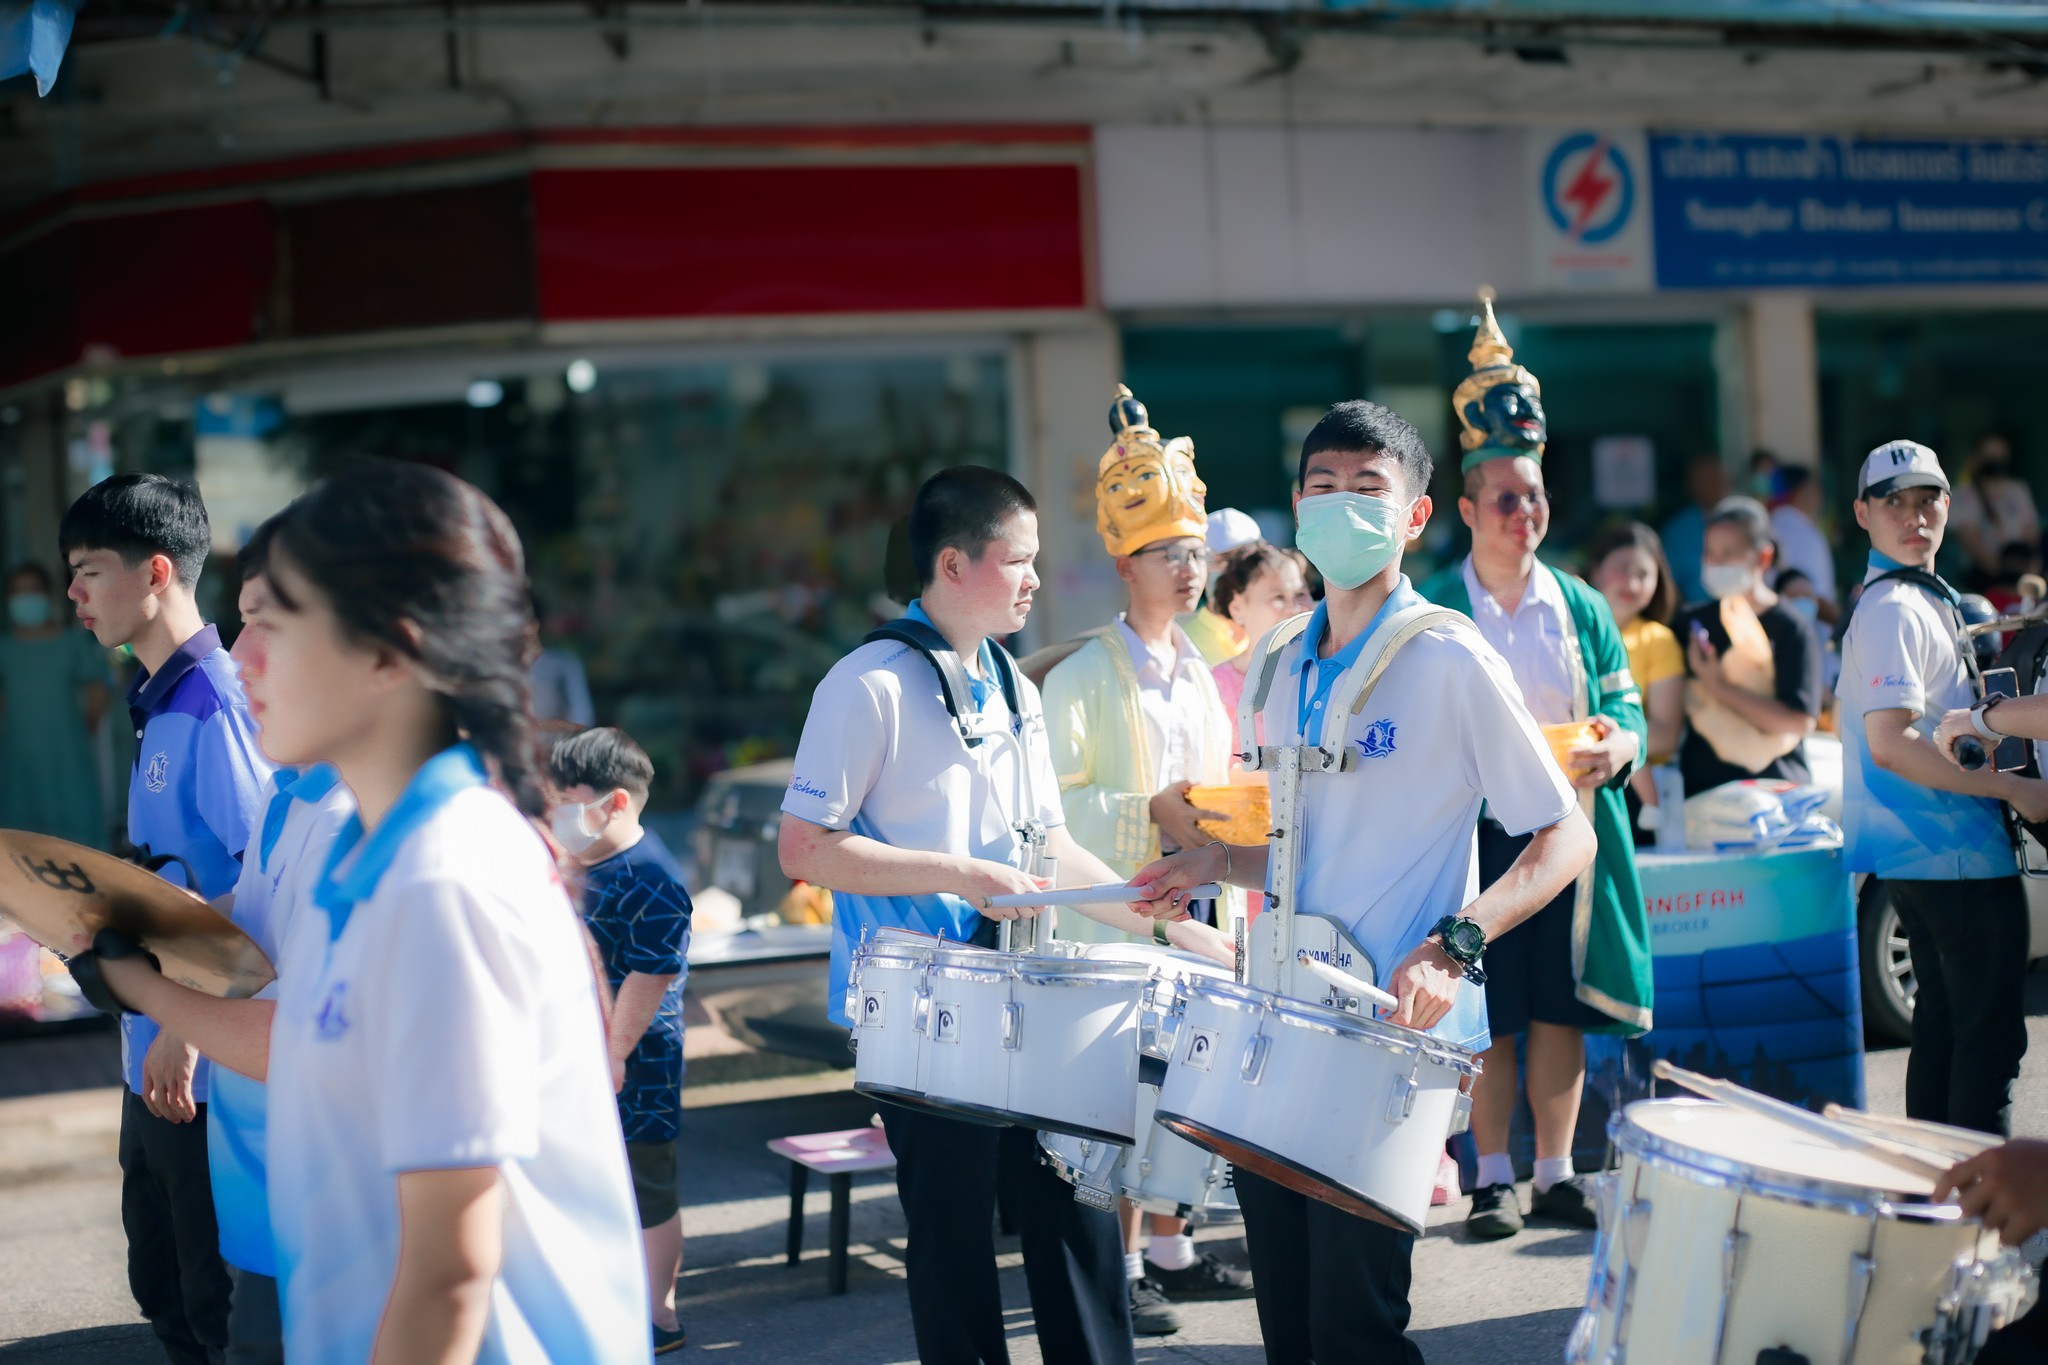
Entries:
{"x":1013,"y":1026}
{"x":1254,"y":1064}
{"x":1635,"y":1240}
{"x":921,"y":1009}
{"x":1401,"y":1103}
{"x":1732,"y":1247}
{"x":1862,"y":1269}
{"x":1461,"y":1114}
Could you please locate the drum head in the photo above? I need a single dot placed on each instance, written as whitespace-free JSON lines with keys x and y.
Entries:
{"x":1736,"y":1137}
{"x":63,"y":893}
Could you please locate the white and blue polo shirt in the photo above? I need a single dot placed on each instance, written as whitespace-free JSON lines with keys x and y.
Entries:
{"x":880,"y":756}
{"x":196,"y":792}
{"x":304,"y":812}
{"x":447,"y":1018}
{"x":1389,"y":847}
{"x":1900,"y":653}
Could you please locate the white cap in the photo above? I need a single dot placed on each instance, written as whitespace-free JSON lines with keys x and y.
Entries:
{"x":1899,"y":464}
{"x":1230,"y":528}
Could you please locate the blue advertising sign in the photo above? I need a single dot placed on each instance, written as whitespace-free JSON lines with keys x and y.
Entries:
{"x":1742,"y":211}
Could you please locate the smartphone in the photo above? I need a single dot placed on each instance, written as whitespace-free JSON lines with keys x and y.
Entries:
{"x":1700,"y":636}
{"x":2011,"y":754}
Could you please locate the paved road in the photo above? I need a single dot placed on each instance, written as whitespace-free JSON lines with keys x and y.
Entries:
{"x":62,"y":1300}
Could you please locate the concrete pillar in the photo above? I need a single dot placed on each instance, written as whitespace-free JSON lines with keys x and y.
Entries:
{"x":1784,"y":378}
{"x":1063,"y":383}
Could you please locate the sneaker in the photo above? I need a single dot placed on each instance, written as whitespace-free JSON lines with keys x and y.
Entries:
{"x":1207,"y":1278}
{"x":1447,"y":1182}
{"x":1496,"y":1213}
{"x":1568,"y":1201}
{"x":1151,"y":1314}
{"x":666,"y":1341}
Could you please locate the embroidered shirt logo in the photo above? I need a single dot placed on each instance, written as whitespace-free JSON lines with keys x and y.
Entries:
{"x":1378,"y":740}
{"x":804,"y":787}
{"x":332,"y":1020}
{"x":158,"y":774}
{"x":1890,"y":680}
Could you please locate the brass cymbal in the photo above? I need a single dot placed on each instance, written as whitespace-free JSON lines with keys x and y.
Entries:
{"x":62,"y":893}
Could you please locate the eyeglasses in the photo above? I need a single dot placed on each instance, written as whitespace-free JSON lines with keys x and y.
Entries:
{"x":1507,"y":504}
{"x":1178,"y":556}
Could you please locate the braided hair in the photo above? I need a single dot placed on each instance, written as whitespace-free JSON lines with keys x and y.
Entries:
{"x":414,"y":559}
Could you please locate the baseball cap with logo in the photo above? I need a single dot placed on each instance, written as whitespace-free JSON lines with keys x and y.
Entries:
{"x":1899,"y":464}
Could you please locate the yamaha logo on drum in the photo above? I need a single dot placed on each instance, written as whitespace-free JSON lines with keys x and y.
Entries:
{"x":1201,"y":1048}
{"x":871,"y":1007}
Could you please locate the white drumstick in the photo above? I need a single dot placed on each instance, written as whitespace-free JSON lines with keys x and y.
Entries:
{"x":1806,"y":1121}
{"x":1907,"y":1133}
{"x":1111,"y":893}
{"x":1345,"y":981}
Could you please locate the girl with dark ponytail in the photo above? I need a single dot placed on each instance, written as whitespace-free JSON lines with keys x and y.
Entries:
{"x":447,"y":1179}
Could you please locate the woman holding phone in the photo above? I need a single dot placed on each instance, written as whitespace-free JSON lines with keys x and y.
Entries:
{"x":447,"y":1179}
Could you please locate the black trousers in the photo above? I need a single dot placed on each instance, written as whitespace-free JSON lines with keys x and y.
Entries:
{"x":255,"y":1326}
{"x":1969,"y":944}
{"x":947,"y":1172}
{"x":174,"y":1267}
{"x":1332,"y":1287}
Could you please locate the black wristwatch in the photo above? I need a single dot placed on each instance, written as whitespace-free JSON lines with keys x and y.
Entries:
{"x":1464,"y":943}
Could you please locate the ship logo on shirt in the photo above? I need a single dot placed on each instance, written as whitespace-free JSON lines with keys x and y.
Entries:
{"x":1378,"y":740}
{"x":332,"y":1020}
{"x":158,"y":774}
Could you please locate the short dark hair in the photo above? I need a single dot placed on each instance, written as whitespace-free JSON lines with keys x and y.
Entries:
{"x":601,"y":758}
{"x":1634,"y":535}
{"x":140,"y":515}
{"x":961,"y":508}
{"x":1747,"y":513}
{"x":32,"y":568}
{"x":1368,"y":428}
{"x":1239,"y":566}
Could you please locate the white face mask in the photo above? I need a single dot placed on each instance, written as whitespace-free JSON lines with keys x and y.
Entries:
{"x":571,"y":825}
{"x":1726,"y":580}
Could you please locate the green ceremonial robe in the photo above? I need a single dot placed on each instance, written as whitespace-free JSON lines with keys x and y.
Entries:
{"x":1610,"y":928}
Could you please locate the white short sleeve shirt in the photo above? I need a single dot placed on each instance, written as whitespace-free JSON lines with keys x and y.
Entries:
{"x":1900,"y":654}
{"x":454,"y":1022}
{"x":880,"y":756}
{"x":1390,"y":846}
{"x":1535,"y":641}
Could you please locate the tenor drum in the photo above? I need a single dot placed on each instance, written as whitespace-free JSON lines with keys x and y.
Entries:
{"x":1344,"y":1109}
{"x":1725,"y":1237}
{"x":1039,"y":1041}
{"x":1160,"y":1173}
{"x":882,"y":1000}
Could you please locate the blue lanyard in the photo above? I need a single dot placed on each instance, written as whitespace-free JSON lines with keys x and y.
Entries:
{"x":447,"y":774}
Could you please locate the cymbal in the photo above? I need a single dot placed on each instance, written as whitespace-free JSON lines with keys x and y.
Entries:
{"x":61,"y":894}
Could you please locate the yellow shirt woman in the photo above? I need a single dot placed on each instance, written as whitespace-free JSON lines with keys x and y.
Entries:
{"x":1653,"y":657}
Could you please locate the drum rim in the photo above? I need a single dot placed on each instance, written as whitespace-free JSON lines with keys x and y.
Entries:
{"x":1042,"y":971}
{"x":1322,"y":1019}
{"x":1680,"y":1159}
{"x":1195,"y":1131}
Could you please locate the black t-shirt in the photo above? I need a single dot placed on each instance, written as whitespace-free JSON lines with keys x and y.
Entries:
{"x":1795,"y":655}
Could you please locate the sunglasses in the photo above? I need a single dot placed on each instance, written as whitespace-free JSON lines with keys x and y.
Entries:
{"x":1508,"y":504}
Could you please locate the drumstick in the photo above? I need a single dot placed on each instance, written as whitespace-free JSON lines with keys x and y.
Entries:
{"x":1345,"y":981}
{"x":1806,"y":1121}
{"x":1907,"y":1133}
{"x":1110,"y":893}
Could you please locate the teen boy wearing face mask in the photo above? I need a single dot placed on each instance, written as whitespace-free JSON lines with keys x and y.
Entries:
{"x":1745,"y":720}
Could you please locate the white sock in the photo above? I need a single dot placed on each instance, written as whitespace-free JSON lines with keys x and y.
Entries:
{"x":1550,"y":1170}
{"x":1495,"y":1169}
{"x":1171,"y":1253}
{"x":1134,"y":1266}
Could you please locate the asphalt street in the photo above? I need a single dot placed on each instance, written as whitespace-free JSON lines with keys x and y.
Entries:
{"x":65,"y":1301}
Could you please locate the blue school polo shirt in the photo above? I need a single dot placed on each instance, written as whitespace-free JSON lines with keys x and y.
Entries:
{"x":196,"y":790}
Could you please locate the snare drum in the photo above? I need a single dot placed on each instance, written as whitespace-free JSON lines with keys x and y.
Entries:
{"x":1038,"y":1041}
{"x":881,"y":1000}
{"x":1341,"y":1108}
{"x":1725,"y":1235}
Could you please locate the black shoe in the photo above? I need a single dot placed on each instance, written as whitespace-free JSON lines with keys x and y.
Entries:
{"x":1151,"y":1314}
{"x":1207,"y":1278}
{"x":666,"y":1341}
{"x":1568,"y":1201}
{"x":1496,"y":1213}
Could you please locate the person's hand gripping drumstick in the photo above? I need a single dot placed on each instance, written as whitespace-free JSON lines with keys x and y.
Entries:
{"x":983,"y":879}
{"x":2006,"y":1187}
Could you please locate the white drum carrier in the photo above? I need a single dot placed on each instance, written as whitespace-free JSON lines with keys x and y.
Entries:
{"x":1287,"y":1077}
{"x":1727,"y":1238}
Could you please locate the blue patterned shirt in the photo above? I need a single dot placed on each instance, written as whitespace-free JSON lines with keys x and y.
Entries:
{"x":639,"y":912}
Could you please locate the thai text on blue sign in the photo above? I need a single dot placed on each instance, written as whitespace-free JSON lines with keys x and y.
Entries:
{"x":1748,"y":211}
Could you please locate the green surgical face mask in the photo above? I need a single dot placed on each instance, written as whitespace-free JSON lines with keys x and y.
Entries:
{"x":1349,"y":537}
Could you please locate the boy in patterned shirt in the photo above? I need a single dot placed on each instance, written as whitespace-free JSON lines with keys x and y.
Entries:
{"x":638,"y":912}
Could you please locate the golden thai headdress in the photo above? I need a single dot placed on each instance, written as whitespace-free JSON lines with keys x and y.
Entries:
{"x":1500,"y":404}
{"x":1146,"y":488}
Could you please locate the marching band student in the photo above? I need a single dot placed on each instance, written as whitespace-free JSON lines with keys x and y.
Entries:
{"x":135,"y":545}
{"x":1387,"y":850}
{"x":1134,"y":720}
{"x":447,"y":1179}
{"x":911,"y":827}
{"x":1933,"y":832}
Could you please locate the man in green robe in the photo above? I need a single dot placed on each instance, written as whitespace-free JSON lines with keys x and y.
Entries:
{"x":1582,"y":963}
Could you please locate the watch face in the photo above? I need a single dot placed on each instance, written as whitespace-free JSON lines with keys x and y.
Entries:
{"x":1464,"y":938}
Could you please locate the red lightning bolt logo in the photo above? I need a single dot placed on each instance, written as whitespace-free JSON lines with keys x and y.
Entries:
{"x":1588,"y":189}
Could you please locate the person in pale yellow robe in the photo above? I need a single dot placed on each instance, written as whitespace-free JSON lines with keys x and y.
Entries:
{"x":1135,"y":722}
